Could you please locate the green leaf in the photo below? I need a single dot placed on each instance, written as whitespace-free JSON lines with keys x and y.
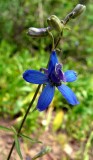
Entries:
{"x":13,"y":130}
{"x":5,"y":128}
{"x":17,"y":145}
{"x":32,"y":140}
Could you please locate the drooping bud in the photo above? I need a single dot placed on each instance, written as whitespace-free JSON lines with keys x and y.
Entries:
{"x":55,"y":23}
{"x":78,"y":10}
{"x":38,"y":32}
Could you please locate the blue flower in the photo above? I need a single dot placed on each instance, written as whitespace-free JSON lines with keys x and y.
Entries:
{"x":52,"y":77}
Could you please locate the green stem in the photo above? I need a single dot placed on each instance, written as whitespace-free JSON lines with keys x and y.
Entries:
{"x":57,"y":42}
{"x":88,"y":145}
{"x":30,"y":105}
{"x":52,"y":37}
{"x":59,"y":38}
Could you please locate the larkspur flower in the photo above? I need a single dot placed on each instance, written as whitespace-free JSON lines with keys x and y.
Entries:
{"x":52,"y":77}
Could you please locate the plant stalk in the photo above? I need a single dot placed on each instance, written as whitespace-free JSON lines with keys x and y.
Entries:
{"x":22,"y":123}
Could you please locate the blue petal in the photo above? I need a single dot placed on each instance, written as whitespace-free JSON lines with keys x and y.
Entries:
{"x":35,"y":77}
{"x":70,"y":75}
{"x":45,"y":97}
{"x":68,"y":94}
{"x":52,"y":62}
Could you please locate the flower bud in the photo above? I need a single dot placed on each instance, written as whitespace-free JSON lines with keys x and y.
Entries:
{"x":55,"y":23}
{"x":38,"y":32}
{"x":78,"y":10}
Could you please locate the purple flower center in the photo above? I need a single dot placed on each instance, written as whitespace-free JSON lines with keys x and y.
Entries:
{"x":57,"y":76}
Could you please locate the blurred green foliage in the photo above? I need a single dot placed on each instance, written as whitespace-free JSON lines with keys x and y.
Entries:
{"x":19,"y":52}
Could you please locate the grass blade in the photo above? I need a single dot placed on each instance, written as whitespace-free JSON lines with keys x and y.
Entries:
{"x":34,"y":141}
{"x":17,"y":145}
{"x":5,"y":128}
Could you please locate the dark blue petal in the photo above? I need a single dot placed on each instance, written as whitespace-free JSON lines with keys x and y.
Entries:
{"x":70,"y":75}
{"x":68,"y":94}
{"x":45,"y":97}
{"x":35,"y":77}
{"x":52,"y":62}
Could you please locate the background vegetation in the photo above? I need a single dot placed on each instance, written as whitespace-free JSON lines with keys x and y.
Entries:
{"x":19,"y":52}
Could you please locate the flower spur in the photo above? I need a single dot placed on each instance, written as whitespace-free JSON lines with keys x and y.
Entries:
{"x":52,"y":77}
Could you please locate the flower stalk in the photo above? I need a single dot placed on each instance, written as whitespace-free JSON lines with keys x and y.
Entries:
{"x":24,"y":118}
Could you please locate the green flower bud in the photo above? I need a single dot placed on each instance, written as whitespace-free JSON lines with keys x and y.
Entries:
{"x":54,"y":22}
